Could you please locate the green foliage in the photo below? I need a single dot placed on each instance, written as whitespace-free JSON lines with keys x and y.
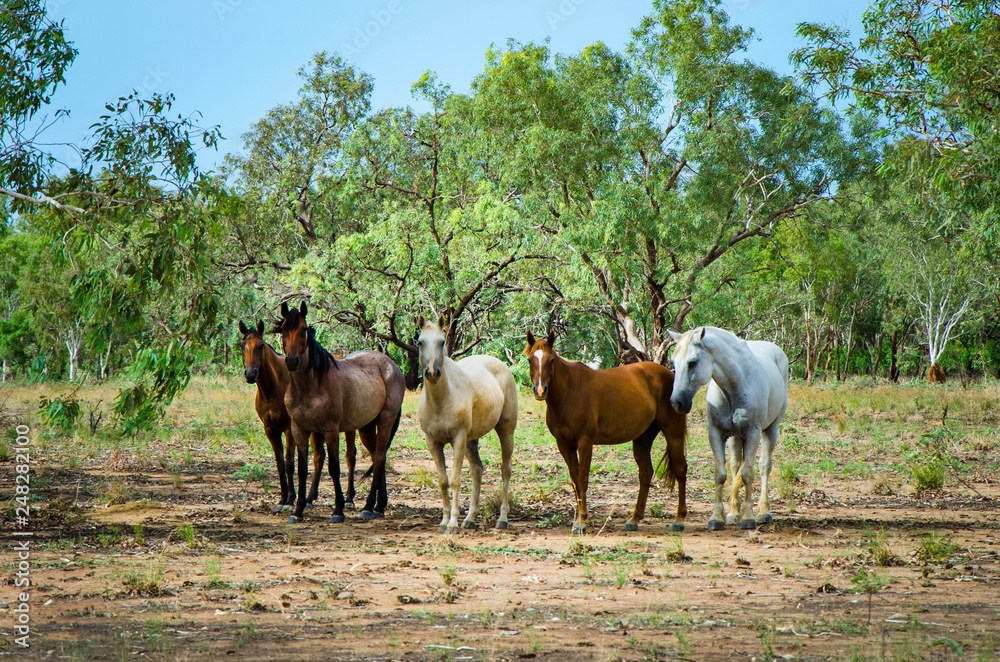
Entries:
{"x":159,"y":377}
{"x":61,"y":412}
{"x":931,"y":71}
{"x":935,"y":549}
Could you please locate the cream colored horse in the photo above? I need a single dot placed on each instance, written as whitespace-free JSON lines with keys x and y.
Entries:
{"x":461,"y":401}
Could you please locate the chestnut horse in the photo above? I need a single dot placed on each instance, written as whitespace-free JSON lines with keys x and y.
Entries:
{"x":587,"y":408}
{"x":266,"y":368}
{"x":461,"y":401}
{"x":326,"y":396}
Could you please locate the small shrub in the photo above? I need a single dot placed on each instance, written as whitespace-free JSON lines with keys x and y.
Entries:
{"x":186,"y":533}
{"x":927,"y":475}
{"x":116,"y":492}
{"x":145,"y":584}
{"x":879,"y":551}
{"x":935,"y":549}
{"x":60,"y":412}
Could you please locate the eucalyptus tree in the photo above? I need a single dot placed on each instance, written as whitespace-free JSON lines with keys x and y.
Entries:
{"x":438,"y":238}
{"x":931,"y":70}
{"x":653,"y":168}
{"x":131,"y":205}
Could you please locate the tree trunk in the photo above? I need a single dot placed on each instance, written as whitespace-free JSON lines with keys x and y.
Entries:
{"x":893,"y":353}
{"x":936,"y":374}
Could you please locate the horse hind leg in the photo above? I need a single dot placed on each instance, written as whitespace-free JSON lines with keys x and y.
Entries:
{"x":767,"y":445}
{"x":351,"y":454}
{"x":747,"y":520}
{"x":642,"y":448}
{"x":476,"y":472}
{"x":734,"y":447}
{"x":506,"y":453}
{"x":675,"y":430}
{"x":369,"y":436}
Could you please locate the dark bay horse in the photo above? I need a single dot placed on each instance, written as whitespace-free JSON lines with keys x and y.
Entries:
{"x":363,"y":392}
{"x":266,"y":368}
{"x":587,"y":408}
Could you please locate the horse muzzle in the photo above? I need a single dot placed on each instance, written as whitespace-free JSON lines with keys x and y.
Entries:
{"x":681,"y":405}
{"x":292,"y":363}
{"x":251,"y":375}
{"x":540,"y":392}
{"x":432,"y":376}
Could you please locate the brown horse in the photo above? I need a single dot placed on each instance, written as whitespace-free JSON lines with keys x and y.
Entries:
{"x":326,"y":396}
{"x":266,"y":368}
{"x":587,"y":408}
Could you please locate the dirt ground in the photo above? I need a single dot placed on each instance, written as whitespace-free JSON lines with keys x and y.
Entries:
{"x":195,"y":565}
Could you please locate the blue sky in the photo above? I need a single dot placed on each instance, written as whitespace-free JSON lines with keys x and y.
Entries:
{"x":233,"y":60}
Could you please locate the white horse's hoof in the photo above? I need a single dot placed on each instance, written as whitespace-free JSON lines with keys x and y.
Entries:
{"x":468,"y":524}
{"x":716,"y":525}
{"x":731,"y":520}
{"x":765,"y":519}
{"x":450,"y":530}
{"x":679,"y":526}
{"x":502,"y":525}
{"x":442,"y":528}
{"x":629,"y":526}
{"x":748,"y":524}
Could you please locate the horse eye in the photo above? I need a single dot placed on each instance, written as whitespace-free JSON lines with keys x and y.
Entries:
{"x":692,"y":364}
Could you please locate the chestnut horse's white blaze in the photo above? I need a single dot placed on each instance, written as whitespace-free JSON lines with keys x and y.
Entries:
{"x":746,"y":399}
{"x":460,"y":402}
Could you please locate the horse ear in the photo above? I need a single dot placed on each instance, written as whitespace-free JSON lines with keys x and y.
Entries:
{"x":260,"y":327}
{"x":284,"y":309}
{"x":702,"y":336}
{"x":303,"y":309}
{"x":676,"y":336}
{"x":551,"y":340}
{"x":421,"y":322}
{"x":441,"y":321}
{"x":243,"y":328}
{"x":531,"y":343}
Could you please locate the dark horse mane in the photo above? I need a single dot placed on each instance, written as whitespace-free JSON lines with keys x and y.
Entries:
{"x":320,"y":359}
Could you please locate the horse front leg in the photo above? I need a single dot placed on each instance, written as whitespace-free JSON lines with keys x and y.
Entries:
{"x":319,"y":456}
{"x":735,"y":447}
{"x":437,"y":454}
{"x":458,"y":445}
{"x":333,"y":452}
{"x":289,"y":470}
{"x":573,"y":466}
{"x":476,"y":471}
{"x":717,"y":521}
{"x":274,"y":436}
{"x":302,"y":450}
{"x":747,"y":520}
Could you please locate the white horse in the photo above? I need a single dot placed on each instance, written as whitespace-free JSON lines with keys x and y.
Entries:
{"x":461,"y":401}
{"x":747,"y":396}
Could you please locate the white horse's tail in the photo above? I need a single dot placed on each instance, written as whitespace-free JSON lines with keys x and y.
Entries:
{"x":737,"y":482}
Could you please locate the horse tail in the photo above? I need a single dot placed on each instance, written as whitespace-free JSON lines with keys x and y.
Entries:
{"x":667,"y":465}
{"x":734,"y":491}
{"x":392,"y":433}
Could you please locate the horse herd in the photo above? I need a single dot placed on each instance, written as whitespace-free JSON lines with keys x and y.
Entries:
{"x":310,"y":395}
